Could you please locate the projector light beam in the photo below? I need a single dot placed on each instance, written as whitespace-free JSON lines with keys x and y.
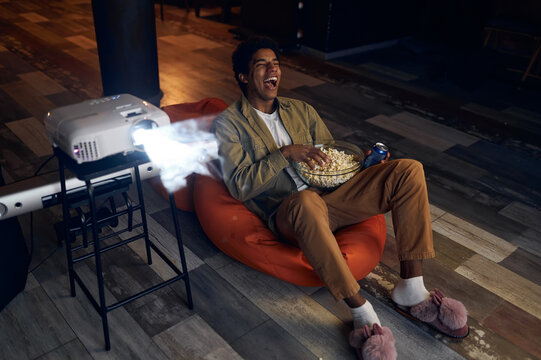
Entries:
{"x":178,"y":150}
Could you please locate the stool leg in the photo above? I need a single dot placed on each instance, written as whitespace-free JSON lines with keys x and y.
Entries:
{"x":67,"y":237}
{"x":143,"y":212}
{"x":181,"y":251}
{"x":99,"y":273}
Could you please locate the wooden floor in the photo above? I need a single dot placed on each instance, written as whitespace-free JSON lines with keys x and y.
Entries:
{"x":483,"y":187}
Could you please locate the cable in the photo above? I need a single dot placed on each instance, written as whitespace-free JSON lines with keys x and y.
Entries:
{"x":43,"y":164}
{"x":45,"y":259}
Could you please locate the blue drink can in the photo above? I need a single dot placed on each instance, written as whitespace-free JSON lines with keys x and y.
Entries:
{"x":379,"y":152}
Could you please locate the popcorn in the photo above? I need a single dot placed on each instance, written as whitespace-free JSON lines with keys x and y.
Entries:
{"x":333,"y":173}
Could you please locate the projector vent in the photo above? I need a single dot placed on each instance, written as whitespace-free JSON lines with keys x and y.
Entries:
{"x":87,"y":151}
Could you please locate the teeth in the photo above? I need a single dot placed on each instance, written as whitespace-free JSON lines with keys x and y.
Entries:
{"x":272,"y":78}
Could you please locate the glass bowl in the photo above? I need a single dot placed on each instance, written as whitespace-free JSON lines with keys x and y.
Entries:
{"x":346,"y":161}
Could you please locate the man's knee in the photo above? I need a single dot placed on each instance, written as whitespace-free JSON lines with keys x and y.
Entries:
{"x":412,"y":167}
{"x":305,"y":198}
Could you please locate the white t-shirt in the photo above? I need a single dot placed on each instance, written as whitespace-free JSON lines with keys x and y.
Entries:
{"x":282,"y":138}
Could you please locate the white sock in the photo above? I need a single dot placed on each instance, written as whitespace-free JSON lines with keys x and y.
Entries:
{"x":364,"y":315}
{"x":409,"y":292}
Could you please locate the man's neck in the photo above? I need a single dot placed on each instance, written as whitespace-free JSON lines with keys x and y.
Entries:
{"x":267,"y":107}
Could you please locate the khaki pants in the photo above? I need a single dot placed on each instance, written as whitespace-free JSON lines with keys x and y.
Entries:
{"x":309,"y":218}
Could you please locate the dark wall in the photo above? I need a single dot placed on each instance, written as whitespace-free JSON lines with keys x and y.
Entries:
{"x":521,"y":10}
{"x":359,"y":23}
{"x":331,"y":25}
{"x":334,"y":25}
{"x":279,"y":19}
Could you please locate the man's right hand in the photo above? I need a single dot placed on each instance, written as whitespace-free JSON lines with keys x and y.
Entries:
{"x":305,"y":153}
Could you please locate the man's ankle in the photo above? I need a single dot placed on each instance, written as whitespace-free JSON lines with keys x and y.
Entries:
{"x":409,"y":292}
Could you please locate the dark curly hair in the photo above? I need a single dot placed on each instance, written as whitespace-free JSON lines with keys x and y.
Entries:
{"x":244,"y":52}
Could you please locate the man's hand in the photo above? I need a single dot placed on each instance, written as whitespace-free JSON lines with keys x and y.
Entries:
{"x":369,"y":151}
{"x":305,"y":153}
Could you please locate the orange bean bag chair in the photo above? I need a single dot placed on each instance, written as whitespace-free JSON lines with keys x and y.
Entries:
{"x":241,"y":234}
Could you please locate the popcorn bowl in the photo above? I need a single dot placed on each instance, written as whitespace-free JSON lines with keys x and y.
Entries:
{"x":346,"y":161}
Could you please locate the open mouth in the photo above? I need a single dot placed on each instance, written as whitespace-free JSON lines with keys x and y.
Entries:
{"x":271,"y":82}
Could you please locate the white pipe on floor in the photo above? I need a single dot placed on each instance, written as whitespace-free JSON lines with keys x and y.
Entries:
{"x":28,"y":195}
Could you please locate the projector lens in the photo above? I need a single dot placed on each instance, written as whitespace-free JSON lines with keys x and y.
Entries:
{"x":138,"y":130}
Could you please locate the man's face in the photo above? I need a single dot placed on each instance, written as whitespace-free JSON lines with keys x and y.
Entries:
{"x":263,"y":77}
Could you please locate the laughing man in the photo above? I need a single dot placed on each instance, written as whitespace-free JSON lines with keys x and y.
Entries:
{"x":261,"y":134}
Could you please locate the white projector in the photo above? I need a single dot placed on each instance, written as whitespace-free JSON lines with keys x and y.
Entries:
{"x":94,"y":129}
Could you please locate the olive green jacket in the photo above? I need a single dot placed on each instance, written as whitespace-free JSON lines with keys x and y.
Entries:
{"x":252,"y":165}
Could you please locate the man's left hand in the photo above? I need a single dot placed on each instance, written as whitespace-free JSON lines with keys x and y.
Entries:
{"x":369,"y":151}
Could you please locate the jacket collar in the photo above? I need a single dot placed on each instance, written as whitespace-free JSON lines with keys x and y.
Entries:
{"x":257,"y":124}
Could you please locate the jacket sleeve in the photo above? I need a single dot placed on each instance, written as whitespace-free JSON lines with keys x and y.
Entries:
{"x":245,"y":178}
{"x":319,"y":131}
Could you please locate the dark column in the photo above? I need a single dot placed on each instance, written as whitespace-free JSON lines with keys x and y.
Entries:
{"x":127,"y":48}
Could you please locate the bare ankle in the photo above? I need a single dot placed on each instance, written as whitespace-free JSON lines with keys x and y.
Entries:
{"x":411,"y":268}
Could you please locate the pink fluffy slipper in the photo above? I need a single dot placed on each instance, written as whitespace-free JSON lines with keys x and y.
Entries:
{"x":445,"y":315}
{"x":373,"y":344}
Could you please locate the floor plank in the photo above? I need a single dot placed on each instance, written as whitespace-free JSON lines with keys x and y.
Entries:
{"x":41,"y":32}
{"x":33,"y":17}
{"x":71,"y":350}
{"x":32,"y":133}
{"x":31,"y":326}
{"x":502,"y":117}
{"x":29,"y":98}
{"x":523,"y":214}
{"x":85,"y":56}
{"x":193,"y":236}
{"x":190,"y":42}
{"x":126,"y":274}
{"x":221,"y":305}
{"x":291,"y":79}
{"x":436,"y":161}
{"x":517,"y":325}
{"x":449,"y":253}
{"x":270,"y":341}
{"x":525,"y":264}
{"x":64,"y":98}
{"x":14,"y":153}
{"x":82,"y":41}
{"x":474,"y":238}
{"x":163,"y":240}
{"x":42,"y":83}
{"x":192,"y":339}
{"x":478,"y":214}
{"x":501,"y":161}
{"x":428,"y":133}
{"x":510,"y":190}
{"x":128,"y":340}
{"x":529,"y":241}
{"x":517,"y":290}
{"x":388,"y":71}
{"x":298,"y":314}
